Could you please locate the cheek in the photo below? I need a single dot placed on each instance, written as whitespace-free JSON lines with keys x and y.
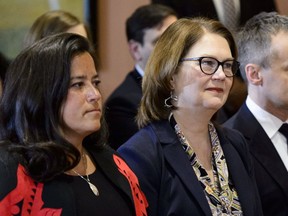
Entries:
{"x":72,"y":106}
{"x":229,"y":83}
{"x":67,"y":113}
{"x":186,"y":82}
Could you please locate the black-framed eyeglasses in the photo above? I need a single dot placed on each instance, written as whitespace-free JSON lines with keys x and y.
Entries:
{"x":210,"y":65}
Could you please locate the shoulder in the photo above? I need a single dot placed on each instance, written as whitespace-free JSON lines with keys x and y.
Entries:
{"x":242,"y":117}
{"x":131,"y":85}
{"x":231,"y":135}
{"x":146,"y":147}
{"x":233,"y":139}
{"x":149,"y":137}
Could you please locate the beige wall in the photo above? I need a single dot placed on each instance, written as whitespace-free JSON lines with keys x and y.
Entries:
{"x":115,"y":59}
{"x":282,"y":6}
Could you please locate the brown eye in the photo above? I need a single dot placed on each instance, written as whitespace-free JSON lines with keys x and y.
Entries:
{"x":77,"y":84}
{"x":96,"y":83}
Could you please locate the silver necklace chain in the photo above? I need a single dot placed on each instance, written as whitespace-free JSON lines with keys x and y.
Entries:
{"x":93,"y":188}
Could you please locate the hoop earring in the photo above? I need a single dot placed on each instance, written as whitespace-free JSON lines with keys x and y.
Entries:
{"x":171,"y":97}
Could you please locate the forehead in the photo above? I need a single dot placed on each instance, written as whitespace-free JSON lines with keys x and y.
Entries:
{"x":211,"y":44}
{"x":279,"y":44}
{"x":83,"y":65}
{"x":156,"y":31}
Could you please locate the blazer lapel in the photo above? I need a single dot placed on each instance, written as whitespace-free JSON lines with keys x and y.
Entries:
{"x":173,"y":152}
{"x":237,"y":173}
{"x":264,"y":151}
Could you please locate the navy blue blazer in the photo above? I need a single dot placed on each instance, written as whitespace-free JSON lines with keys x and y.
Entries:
{"x":165,"y":174}
{"x":121,"y":109}
{"x":270,"y":172}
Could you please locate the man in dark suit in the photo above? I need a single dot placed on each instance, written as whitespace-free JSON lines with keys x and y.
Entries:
{"x":263,"y":53}
{"x":143,"y":28}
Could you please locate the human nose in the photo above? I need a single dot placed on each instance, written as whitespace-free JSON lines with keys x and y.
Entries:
{"x":219,"y":73}
{"x":93,"y":94}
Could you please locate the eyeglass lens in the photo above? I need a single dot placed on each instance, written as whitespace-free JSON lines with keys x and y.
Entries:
{"x":211,"y":65}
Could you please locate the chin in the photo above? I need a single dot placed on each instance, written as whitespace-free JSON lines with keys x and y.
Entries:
{"x":214,"y":104}
{"x":93,"y":128}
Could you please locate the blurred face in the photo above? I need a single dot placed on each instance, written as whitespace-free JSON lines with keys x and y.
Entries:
{"x":83,"y":108}
{"x":78,"y":29}
{"x":150,"y":38}
{"x":196,"y":90}
{"x":274,"y":88}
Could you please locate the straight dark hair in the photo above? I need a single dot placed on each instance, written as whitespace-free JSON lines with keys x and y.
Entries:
{"x":146,"y":17}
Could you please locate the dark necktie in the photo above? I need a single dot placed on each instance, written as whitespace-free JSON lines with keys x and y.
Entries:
{"x":284,"y":130}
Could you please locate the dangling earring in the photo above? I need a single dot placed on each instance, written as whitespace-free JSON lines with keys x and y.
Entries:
{"x":171,"y":97}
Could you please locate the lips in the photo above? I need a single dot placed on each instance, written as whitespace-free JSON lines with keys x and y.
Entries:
{"x":94,"y":111}
{"x":216,"y":89}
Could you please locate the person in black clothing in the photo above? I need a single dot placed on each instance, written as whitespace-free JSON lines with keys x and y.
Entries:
{"x":53,"y":154}
{"x":143,"y":28}
{"x":186,"y":164}
{"x":263,"y":53}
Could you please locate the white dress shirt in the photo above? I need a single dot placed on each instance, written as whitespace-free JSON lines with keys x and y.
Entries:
{"x":139,"y":70}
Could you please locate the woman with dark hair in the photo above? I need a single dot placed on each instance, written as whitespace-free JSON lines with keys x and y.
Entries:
{"x":53,"y":157}
{"x":186,"y":163}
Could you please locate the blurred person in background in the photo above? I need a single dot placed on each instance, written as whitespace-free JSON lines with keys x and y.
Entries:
{"x":143,"y":29}
{"x":53,"y":22}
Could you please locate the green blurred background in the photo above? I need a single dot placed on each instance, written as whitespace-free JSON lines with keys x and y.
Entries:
{"x":16,"y":17}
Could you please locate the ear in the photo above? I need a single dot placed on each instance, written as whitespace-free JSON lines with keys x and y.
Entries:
{"x":253,"y":74}
{"x":172,"y":82}
{"x":135,"y":50}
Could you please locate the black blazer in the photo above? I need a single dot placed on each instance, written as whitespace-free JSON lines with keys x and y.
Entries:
{"x":192,"y":8}
{"x":121,"y":109}
{"x":166,"y":177}
{"x":270,"y":172}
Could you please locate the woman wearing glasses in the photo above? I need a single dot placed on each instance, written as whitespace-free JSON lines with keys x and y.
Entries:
{"x":186,"y":164}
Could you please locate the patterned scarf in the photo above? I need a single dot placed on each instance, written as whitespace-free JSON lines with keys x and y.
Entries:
{"x":221,"y":196}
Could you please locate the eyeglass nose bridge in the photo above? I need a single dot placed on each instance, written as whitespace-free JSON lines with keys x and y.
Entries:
{"x":217,"y":67}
